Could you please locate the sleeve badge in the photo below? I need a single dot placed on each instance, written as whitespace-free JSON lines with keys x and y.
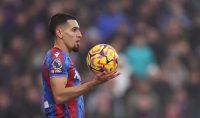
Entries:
{"x":56,"y":66}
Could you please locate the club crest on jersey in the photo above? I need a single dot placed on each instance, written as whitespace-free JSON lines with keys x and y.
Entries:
{"x":57,"y":65}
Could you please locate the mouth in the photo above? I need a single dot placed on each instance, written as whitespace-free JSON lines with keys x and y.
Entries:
{"x":78,"y":43}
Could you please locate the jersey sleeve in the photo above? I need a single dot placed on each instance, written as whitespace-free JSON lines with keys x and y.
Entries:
{"x":57,"y":65}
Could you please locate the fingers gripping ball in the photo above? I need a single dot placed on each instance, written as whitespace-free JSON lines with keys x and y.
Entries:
{"x":101,"y":58}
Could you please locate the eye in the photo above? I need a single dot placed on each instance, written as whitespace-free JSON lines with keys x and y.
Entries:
{"x":74,"y":29}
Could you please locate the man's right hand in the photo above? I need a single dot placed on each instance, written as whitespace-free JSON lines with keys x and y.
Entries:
{"x":103,"y":77}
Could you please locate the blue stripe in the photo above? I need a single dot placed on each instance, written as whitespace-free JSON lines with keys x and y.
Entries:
{"x":80,"y":107}
{"x":79,"y":100}
{"x":66,"y":111}
{"x":46,"y":92}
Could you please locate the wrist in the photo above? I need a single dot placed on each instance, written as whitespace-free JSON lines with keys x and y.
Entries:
{"x":91,"y":84}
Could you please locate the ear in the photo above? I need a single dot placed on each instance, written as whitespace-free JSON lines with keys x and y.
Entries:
{"x":59,"y":33}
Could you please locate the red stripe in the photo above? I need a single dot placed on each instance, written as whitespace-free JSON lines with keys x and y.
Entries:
{"x":46,"y":76}
{"x":72,"y":104}
{"x":59,"y":111}
{"x":72,"y":108}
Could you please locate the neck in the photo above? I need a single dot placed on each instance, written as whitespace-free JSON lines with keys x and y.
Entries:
{"x":60,"y":44}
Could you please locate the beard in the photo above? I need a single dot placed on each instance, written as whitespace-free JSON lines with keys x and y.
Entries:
{"x":75,"y":48}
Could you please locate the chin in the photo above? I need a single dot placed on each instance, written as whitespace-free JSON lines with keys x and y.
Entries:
{"x":75,"y":49}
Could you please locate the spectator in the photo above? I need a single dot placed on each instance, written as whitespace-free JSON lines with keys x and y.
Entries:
{"x":140,"y":56}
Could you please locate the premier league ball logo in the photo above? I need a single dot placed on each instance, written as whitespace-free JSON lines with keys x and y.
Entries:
{"x":57,"y":65}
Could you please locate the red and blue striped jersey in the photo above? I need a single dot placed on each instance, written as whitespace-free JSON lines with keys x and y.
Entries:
{"x":57,"y":63}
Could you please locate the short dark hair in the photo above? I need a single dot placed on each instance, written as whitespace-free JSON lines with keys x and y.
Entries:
{"x":58,"y":19}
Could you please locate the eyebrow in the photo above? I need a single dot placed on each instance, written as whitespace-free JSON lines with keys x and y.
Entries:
{"x":75,"y":27}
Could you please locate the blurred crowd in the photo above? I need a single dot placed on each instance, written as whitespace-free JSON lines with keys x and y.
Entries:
{"x":158,"y":42}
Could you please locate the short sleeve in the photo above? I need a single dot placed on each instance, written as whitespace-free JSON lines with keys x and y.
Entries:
{"x":57,"y":64}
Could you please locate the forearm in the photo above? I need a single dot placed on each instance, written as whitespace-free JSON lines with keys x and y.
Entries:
{"x":62,"y":94}
{"x":72,"y":92}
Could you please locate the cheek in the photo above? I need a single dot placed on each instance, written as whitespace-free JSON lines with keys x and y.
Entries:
{"x":72,"y":38}
{"x":70,"y":42}
{"x":69,"y":39}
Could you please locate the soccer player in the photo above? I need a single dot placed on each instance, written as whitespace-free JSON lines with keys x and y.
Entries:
{"x":62,"y":86}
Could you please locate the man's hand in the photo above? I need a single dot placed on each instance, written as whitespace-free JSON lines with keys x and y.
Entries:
{"x":103,"y":77}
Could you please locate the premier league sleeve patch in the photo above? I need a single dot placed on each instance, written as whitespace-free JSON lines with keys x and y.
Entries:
{"x":56,"y":66}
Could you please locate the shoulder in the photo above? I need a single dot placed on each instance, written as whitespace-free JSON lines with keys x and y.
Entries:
{"x":57,"y":62}
{"x":55,"y":54}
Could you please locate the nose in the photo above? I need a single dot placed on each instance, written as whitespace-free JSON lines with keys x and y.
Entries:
{"x":79,"y":34}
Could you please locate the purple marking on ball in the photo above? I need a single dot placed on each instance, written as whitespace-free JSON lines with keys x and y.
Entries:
{"x":100,"y":56}
{"x":102,"y":68}
{"x":92,"y":60}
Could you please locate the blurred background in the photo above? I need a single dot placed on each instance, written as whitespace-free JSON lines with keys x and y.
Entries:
{"x":158,"y":42}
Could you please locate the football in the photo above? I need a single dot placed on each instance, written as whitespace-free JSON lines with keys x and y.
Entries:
{"x":102,"y":57}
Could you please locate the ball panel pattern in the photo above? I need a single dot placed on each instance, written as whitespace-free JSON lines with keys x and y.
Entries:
{"x":101,"y":58}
